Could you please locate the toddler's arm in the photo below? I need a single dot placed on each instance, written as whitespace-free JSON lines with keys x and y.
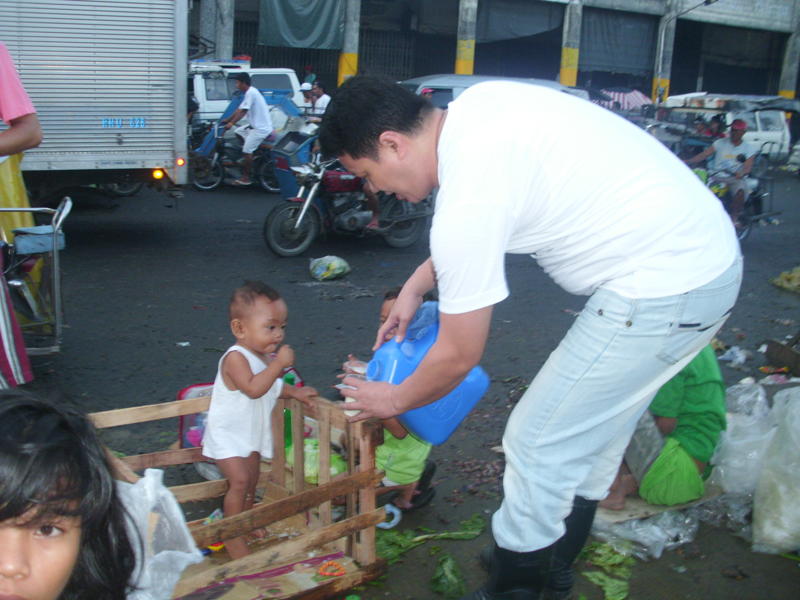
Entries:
{"x":395,"y":427}
{"x":237,"y":374}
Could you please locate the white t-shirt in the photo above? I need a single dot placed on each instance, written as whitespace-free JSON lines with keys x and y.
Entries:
{"x":257,"y":110}
{"x":594,"y":199}
{"x":321,"y":105}
{"x":725,"y":154}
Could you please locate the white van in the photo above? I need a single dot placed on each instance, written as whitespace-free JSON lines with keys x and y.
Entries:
{"x":767,"y":128}
{"x":211,"y":84}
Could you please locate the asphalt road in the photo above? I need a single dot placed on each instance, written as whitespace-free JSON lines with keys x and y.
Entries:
{"x":146,"y":287}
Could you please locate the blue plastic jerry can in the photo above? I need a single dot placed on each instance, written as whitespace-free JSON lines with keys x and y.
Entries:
{"x":394,"y":361}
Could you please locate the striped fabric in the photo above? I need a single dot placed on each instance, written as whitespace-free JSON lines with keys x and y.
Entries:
{"x":629,"y":99}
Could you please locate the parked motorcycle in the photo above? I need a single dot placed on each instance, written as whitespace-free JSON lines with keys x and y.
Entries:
{"x":330,"y":199}
{"x":216,"y":159}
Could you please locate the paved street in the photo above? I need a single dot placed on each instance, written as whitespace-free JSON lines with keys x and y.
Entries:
{"x":146,"y":288}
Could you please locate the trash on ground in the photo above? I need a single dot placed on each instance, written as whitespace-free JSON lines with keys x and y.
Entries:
{"x":447,"y":579}
{"x":328,"y":267}
{"x":183,"y":344}
{"x":776,"y":512}
{"x":788,"y":280}
{"x":735,"y":355}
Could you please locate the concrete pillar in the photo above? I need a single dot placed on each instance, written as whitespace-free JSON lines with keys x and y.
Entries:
{"x":662,"y":70}
{"x":208,"y":22}
{"x":465,"y":48}
{"x":571,"y":42}
{"x":224,"y":33}
{"x":348,"y":59}
{"x":791,"y":61}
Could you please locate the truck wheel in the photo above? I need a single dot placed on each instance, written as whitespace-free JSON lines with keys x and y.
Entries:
{"x":128,"y":188}
{"x":265,"y":173}
{"x":205,"y":174}
{"x":280,"y":233}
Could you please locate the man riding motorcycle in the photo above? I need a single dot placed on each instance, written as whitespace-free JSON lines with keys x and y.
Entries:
{"x":728,"y":166}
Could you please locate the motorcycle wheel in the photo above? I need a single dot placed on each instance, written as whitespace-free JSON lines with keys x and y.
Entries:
{"x":206,"y":175}
{"x":746,"y":220}
{"x":404,"y":233}
{"x":280,"y":235}
{"x":265,"y":174}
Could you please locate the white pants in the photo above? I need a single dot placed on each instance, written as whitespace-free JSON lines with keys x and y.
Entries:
{"x":568,"y":433}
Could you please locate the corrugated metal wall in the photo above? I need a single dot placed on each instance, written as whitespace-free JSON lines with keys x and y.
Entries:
{"x":101,"y":75}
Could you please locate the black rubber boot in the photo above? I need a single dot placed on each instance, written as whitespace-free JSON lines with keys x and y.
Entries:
{"x":567,"y":548}
{"x":515,"y":575}
{"x":561,"y":577}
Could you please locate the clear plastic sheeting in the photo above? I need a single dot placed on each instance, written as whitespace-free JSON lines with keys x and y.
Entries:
{"x":162,"y":542}
{"x":648,"y":538}
{"x":776,"y":511}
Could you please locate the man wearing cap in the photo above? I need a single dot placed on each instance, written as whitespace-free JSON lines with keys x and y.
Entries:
{"x":255,"y":108}
{"x":729,"y":168}
{"x":309,"y":97}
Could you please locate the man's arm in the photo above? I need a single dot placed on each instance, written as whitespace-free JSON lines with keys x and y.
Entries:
{"x":422,"y":281}
{"x":237,"y":116}
{"x":702,"y":156}
{"x":458,"y":347}
{"x":746,"y":167}
{"x":24,"y":132}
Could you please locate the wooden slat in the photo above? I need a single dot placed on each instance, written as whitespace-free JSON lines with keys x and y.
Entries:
{"x":279,"y":460}
{"x":264,"y":514}
{"x":119,"y":470}
{"x":298,"y":446}
{"x":149,"y":412}
{"x":276,"y":554}
{"x":364,"y":552}
{"x":325,"y":460}
{"x":165,"y":458}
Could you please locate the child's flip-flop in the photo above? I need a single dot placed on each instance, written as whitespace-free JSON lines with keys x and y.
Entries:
{"x":422,"y":499}
{"x":426,"y":478}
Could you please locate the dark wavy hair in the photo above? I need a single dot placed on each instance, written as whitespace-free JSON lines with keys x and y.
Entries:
{"x":52,"y":463}
{"x":363,"y":108}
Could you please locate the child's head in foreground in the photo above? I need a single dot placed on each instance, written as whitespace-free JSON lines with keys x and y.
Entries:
{"x":62,"y":526}
{"x":258,"y":317}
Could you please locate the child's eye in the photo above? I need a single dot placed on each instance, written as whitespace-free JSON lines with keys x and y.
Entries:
{"x":49,"y":530}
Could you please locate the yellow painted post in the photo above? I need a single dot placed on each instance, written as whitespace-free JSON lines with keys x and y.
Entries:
{"x":571,"y":43}
{"x":465,"y":48}
{"x":348,"y":59}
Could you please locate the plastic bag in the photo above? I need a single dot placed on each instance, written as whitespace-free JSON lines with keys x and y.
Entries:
{"x":650,"y":536}
{"x":311,"y":461}
{"x":776,"y":512}
{"x":328,"y":267}
{"x":747,"y":399}
{"x":157,"y":526}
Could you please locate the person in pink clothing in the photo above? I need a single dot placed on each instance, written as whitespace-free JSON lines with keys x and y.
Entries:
{"x":24,"y":132}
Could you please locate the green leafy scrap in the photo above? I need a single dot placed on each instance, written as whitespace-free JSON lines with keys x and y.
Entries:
{"x":447,"y":579}
{"x":616,"y":569}
{"x":613,"y":589}
{"x":391,"y":544}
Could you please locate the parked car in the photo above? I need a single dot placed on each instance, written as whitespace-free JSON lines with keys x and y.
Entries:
{"x":767,"y":127}
{"x":447,"y":87}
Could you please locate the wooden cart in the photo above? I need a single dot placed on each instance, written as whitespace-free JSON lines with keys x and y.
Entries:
{"x":296,"y":515}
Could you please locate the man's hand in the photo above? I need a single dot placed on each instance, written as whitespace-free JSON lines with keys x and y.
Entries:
{"x":228,"y":125}
{"x":372,"y":398}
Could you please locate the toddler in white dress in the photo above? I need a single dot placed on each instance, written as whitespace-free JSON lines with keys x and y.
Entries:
{"x":240,"y":419}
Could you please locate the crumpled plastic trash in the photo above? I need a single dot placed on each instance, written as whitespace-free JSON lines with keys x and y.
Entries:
{"x":776,"y":512}
{"x":648,"y":538}
{"x":734,"y":355}
{"x":747,"y":399}
{"x":328,"y":267}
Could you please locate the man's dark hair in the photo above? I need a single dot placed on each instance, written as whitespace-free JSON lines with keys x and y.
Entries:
{"x":244,"y":297}
{"x":243,"y":77}
{"x":363,"y":108}
{"x":319,"y":84}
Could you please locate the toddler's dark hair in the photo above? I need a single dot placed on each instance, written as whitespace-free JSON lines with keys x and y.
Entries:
{"x":52,"y":463}
{"x":393,"y":293}
{"x":246,"y":295}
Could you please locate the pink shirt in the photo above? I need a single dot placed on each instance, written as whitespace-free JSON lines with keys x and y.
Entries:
{"x":14,"y":101}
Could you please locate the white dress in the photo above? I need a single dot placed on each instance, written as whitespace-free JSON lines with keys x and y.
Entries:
{"x":238,"y":425}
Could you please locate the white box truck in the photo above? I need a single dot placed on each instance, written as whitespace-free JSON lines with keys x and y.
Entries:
{"x":108,"y":80}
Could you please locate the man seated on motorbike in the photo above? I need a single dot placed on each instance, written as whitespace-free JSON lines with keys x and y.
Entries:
{"x":729,"y":168}
{"x":255,"y":108}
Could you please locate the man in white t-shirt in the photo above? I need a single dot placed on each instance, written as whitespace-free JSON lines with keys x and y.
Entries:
{"x":260,"y":123}
{"x":608,"y":212}
{"x":323,"y":99}
{"x":729,"y":169}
